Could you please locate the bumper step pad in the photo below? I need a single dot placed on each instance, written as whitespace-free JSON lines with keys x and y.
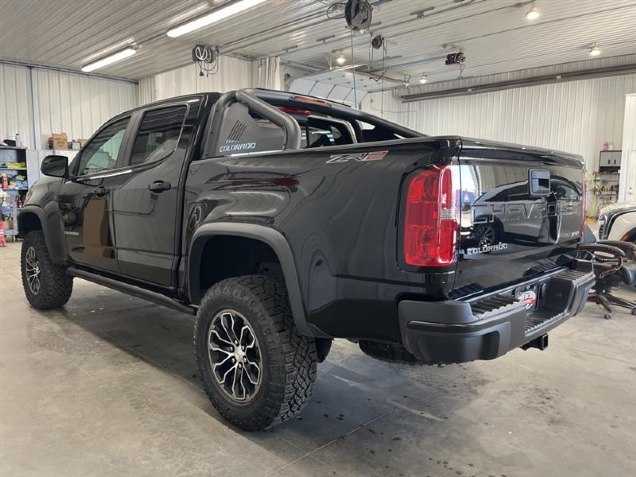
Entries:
{"x":493,"y":305}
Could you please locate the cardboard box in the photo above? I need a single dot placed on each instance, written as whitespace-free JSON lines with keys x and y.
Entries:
{"x":60,"y":141}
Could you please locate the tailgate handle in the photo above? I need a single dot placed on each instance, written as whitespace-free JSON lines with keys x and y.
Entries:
{"x":539,"y":182}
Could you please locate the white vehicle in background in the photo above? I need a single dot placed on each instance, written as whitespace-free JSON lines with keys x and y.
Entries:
{"x":618,"y":222}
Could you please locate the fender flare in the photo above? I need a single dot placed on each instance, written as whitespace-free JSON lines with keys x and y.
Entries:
{"x":264,"y":234}
{"x":52,"y":230}
{"x":629,"y":236}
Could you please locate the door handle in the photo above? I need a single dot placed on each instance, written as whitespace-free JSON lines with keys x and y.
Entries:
{"x":100,"y":191}
{"x":159,"y":186}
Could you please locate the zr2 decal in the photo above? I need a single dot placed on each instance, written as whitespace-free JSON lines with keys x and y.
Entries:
{"x":359,"y":157}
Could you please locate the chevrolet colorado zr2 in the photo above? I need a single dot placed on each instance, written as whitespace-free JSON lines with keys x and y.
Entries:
{"x":283,"y":221}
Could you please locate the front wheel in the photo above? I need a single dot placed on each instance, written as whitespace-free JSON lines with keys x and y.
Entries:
{"x":46,"y":284}
{"x":256,"y":369}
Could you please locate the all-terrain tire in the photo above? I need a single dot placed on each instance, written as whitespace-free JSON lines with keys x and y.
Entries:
{"x":55,"y":285}
{"x":288,"y":360}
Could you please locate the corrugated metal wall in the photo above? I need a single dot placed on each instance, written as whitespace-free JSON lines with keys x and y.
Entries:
{"x":62,"y":102}
{"x":573,"y":116}
{"x":15,"y":109}
{"x":77,"y":104}
{"x":232,"y":74}
{"x":627,"y":189}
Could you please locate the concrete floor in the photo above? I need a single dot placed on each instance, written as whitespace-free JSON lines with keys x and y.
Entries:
{"x":107,"y":386}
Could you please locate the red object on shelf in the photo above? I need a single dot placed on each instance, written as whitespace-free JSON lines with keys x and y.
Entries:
{"x":3,"y":240}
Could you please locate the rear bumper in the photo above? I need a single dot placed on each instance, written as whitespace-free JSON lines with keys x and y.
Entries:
{"x":490,"y":326}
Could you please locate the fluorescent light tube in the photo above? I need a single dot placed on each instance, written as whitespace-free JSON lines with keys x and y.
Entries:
{"x":109,"y":60}
{"x":216,"y":16}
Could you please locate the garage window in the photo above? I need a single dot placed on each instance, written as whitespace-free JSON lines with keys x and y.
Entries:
{"x":158,"y":135}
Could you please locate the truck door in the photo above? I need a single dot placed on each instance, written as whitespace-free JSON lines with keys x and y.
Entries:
{"x":147,"y":206}
{"x":86,"y":199}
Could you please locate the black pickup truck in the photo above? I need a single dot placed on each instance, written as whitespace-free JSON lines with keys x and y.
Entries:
{"x":285,"y":221}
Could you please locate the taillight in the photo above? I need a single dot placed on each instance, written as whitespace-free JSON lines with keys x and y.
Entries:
{"x":310,"y":100}
{"x":430,"y":221}
{"x":295,"y":111}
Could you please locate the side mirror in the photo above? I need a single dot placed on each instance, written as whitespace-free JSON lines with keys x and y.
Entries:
{"x":55,"y":166}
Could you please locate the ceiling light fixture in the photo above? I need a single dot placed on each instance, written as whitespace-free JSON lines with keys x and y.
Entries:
{"x":341,"y":60}
{"x":595,"y":50}
{"x":423,"y":79}
{"x":533,"y":13}
{"x":349,"y":67}
{"x":108,"y":60}
{"x":215,"y":16}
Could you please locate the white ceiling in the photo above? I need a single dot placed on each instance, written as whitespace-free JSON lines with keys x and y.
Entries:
{"x":494,"y":35}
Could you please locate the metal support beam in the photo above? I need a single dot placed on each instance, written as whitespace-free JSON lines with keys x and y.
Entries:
{"x":25,"y":64}
{"x":520,"y":83}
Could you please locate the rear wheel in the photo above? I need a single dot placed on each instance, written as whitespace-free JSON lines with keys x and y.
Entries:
{"x":46,"y":284}
{"x":488,"y":234}
{"x":256,"y":369}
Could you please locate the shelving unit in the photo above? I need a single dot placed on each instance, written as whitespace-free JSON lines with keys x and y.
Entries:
{"x":15,"y":184}
{"x":605,"y":181}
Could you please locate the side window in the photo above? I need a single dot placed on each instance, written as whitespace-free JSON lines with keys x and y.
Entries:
{"x":159,"y":134}
{"x":564,"y":190}
{"x":519,"y":192}
{"x":500,"y":196}
{"x":101,"y":153}
{"x":508,"y":193}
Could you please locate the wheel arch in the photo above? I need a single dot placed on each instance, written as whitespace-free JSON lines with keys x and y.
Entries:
{"x":489,"y":219}
{"x":30,"y":219}
{"x":269,"y":237}
{"x":34,"y":218}
{"x":629,"y":236}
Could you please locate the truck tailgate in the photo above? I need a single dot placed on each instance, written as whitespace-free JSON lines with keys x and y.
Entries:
{"x":521,"y":213}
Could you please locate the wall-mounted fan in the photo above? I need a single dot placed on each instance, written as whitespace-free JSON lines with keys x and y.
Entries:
{"x":358,"y":14}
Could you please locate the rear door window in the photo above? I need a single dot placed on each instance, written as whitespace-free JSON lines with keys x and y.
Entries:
{"x":159,"y":134}
{"x":563,"y":189}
